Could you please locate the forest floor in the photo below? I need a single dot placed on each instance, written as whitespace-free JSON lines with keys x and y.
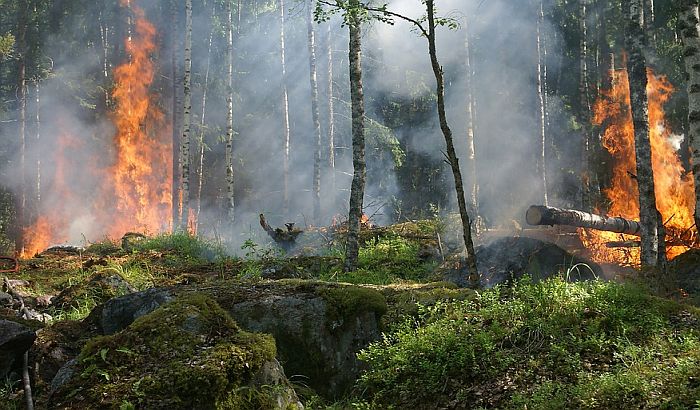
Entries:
{"x":549,"y":344}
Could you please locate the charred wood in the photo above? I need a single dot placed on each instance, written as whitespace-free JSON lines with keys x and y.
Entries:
{"x":544,"y":215}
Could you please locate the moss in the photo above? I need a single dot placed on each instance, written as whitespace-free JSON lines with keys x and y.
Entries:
{"x":346,"y":302}
{"x":187,"y":354}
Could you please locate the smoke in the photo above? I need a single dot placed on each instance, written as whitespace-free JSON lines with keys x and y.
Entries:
{"x":397,"y":71}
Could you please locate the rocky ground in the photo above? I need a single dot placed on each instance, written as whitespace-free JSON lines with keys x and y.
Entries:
{"x":172,"y":322}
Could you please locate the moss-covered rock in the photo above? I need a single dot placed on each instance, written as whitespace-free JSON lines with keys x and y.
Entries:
{"x":96,"y":289}
{"x":187,"y":354}
{"x":319,"y":327}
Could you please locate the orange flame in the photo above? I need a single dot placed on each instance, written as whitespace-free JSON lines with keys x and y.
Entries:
{"x":675,"y":196}
{"x":143,"y":166}
{"x":135,"y":189}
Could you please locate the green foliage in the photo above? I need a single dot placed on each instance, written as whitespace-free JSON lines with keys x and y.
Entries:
{"x":547,"y":345}
{"x":7,"y":43}
{"x":348,"y":301}
{"x":183,"y":246}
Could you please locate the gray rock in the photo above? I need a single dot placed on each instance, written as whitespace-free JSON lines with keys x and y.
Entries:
{"x":5,"y":299}
{"x":272,"y":374}
{"x":118,"y":313}
{"x":15,"y":339}
{"x":64,"y":374}
{"x":309,"y":344}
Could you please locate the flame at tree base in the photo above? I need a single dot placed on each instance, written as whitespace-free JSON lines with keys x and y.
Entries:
{"x":675,"y":195}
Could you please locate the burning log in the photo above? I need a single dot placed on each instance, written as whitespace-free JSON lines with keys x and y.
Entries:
{"x":285,"y":238}
{"x":544,"y":215}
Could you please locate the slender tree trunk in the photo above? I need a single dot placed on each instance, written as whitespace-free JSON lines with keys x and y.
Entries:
{"x":202,"y":123}
{"x":331,"y":111}
{"x":689,"y":27}
{"x":104,"y":38}
{"x":22,"y":122}
{"x":176,"y":193}
{"x":636,"y":67}
{"x":315,"y":115}
{"x":451,"y":153}
{"x":541,"y":101}
{"x":357,"y":98}
{"x":37,"y":141}
{"x":285,"y":108}
{"x":649,"y":17}
{"x":230,"y":198}
{"x":471,"y":151}
{"x":584,"y":109}
{"x":186,"y":119}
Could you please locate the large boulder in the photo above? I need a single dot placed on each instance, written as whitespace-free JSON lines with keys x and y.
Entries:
{"x":504,"y":260}
{"x":319,"y":328}
{"x":15,"y":340}
{"x":189,"y":353}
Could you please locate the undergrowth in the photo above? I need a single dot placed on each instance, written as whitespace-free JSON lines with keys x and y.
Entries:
{"x":549,"y":345}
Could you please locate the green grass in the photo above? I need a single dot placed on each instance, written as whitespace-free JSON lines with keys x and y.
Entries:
{"x":548,"y":345}
{"x":183,"y":246}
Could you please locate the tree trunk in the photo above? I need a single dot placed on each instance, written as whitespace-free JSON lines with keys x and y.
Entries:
{"x":316,"y":186}
{"x":471,"y":151}
{"x":584,"y":109}
{"x":357,"y":189}
{"x":544,"y":215}
{"x":176,"y":193}
{"x":331,"y":111}
{"x":37,"y":140}
{"x":202,"y":123}
{"x":451,"y":154}
{"x":541,"y":101}
{"x":636,"y":67}
{"x":230,"y":197}
{"x":285,"y":108}
{"x":22,"y":122}
{"x":186,"y":119}
{"x":649,"y":17}
{"x":690,"y":33}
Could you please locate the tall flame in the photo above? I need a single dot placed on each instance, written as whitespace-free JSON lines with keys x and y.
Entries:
{"x":675,"y":198}
{"x":143,"y":169}
{"x":135,"y":187}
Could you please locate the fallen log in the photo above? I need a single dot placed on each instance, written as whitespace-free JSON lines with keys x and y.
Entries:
{"x":545,"y":215}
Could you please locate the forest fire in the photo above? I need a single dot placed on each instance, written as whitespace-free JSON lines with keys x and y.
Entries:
{"x":142,"y":170}
{"x":134,"y":194}
{"x":674,"y":187}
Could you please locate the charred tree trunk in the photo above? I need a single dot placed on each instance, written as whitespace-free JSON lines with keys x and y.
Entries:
{"x":636,"y":68}
{"x":230,"y":196}
{"x":545,"y":215}
{"x":285,"y":109}
{"x":186,"y":119}
{"x":689,"y":28}
{"x":357,"y":189}
{"x":316,"y":186}
{"x":451,"y":154}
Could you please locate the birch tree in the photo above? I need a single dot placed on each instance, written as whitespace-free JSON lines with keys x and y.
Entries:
{"x":541,"y":91}
{"x":285,"y":108}
{"x":176,"y":197}
{"x":470,"y":104}
{"x":186,"y":118}
{"x":230,"y":198}
{"x":652,"y":250}
{"x":315,"y":115}
{"x":689,"y":27}
{"x":22,"y":121}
